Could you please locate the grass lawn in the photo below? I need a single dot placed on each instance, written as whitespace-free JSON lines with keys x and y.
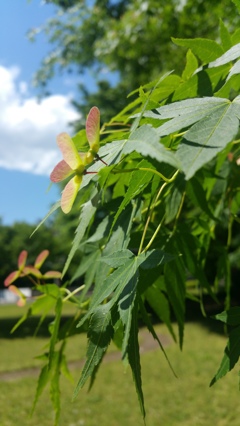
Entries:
{"x":186,"y":401}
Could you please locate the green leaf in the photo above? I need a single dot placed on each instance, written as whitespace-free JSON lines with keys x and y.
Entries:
{"x":145,"y":140}
{"x":87,"y":212}
{"x":231,"y":355}
{"x":153,"y":258}
{"x":225,"y":36}
{"x":139,"y":180}
{"x":80,"y":140}
{"x":171,"y":83}
{"x":187,"y":245}
{"x":42,"y":305}
{"x":115,"y":283}
{"x":118,"y":241}
{"x":55,"y":329}
{"x":174,"y":197}
{"x":43,"y":379}
{"x":229,"y":56}
{"x":230,"y":317}
{"x":237,"y":4}
{"x":234,"y":70}
{"x":209,"y":136}
{"x":207,"y":50}
{"x":197,"y":195}
{"x":86,"y":264}
{"x":184,"y":113}
{"x":160,"y":305}
{"x":117,"y":258}
{"x":236,"y":36}
{"x":55,"y":386}
{"x":150,"y":327}
{"x":51,"y":290}
{"x":125,"y":307}
{"x":174,"y":276}
{"x":111,"y":152}
{"x":191,"y":65}
{"x":134,"y":358}
{"x":120,"y":236}
{"x":205,"y":82}
{"x":153,"y":84}
{"x":100,"y":232}
{"x":64,"y":368}
{"x":100,"y":333}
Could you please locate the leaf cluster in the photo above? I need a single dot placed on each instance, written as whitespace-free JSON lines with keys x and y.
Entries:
{"x":158,"y":224}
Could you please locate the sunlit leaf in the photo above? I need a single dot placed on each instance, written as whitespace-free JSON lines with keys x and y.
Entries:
{"x":207,"y":50}
{"x":191,"y":65}
{"x":231,"y":355}
{"x":145,"y":140}
{"x":230,"y":317}
{"x":100,"y":332}
{"x":230,"y":55}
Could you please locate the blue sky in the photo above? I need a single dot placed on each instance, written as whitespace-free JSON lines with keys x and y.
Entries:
{"x":28,"y":129}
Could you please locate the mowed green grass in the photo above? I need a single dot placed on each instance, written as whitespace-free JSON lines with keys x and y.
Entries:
{"x":185,"y":401}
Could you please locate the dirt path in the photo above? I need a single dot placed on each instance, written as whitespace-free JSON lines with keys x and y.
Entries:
{"x":147,"y":344}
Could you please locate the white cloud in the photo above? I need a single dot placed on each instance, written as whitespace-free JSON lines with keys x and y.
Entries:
{"x":28,"y":128}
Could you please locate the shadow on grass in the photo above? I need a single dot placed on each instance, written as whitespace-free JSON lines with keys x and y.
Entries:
{"x":29,"y":327}
{"x":195,"y":314}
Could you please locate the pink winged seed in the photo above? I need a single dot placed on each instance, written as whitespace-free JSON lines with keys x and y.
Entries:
{"x":41,"y":259}
{"x":69,"y":151}
{"x":60,"y":172}
{"x":69,"y":193}
{"x":22,"y":259}
{"x":22,"y":299}
{"x":11,"y":278}
{"x":93,"y":128}
{"x":30,"y":270}
{"x":52,"y":274}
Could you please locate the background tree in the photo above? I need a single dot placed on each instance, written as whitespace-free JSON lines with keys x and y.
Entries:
{"x":130,"y":37}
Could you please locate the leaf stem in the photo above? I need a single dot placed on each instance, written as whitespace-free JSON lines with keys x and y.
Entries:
{"x":147,"y":169}
{"x":229,"y":237}
{"x":150,"y":215}
{"x":71,"y":293}
{"x":154,"y":235}
{"x":179,"y":211}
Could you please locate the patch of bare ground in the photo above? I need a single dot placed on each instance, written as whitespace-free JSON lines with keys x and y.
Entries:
{"x":147,"y":344}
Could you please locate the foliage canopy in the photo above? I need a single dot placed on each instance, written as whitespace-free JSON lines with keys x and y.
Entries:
{"x":131,"y":38}
{"x":160,"y":208}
